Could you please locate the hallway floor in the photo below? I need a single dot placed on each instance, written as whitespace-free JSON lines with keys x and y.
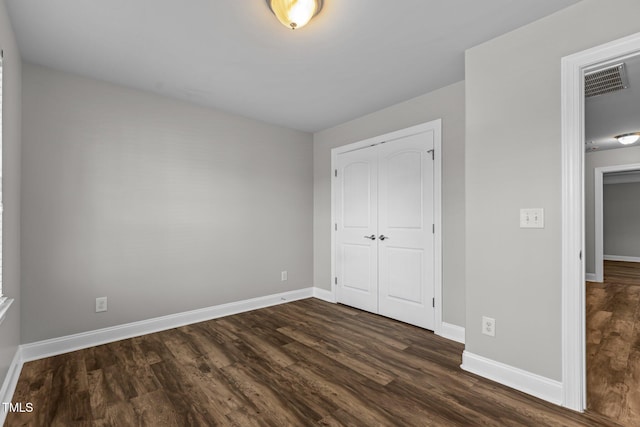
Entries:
{"x":613,"y":343}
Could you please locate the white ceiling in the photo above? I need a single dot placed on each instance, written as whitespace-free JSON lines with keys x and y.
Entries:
{"x":356,"y":57}
{"x":614,"y":113}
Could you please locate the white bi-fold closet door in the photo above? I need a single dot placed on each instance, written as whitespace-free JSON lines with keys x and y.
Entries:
{"x":384,"y":228}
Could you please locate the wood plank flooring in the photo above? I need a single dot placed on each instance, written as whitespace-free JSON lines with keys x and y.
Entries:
{"x":304,"y":363}
{"x":613,"y":343}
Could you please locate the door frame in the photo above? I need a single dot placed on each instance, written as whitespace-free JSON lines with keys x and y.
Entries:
{"x":598,"y":183}
{"x":436,"y":127}
{"x":573,"y":67}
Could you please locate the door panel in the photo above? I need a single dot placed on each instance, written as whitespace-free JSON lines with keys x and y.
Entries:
{"x":404,"y":265}
{"x":356,"y":267}
{"x":357,"y":208}
{"x":406,"y":256}
{"x":357,"y":217}
{"x":404,"y":202}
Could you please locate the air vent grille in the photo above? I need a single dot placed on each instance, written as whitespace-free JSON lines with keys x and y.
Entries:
{"x":609,"y":80}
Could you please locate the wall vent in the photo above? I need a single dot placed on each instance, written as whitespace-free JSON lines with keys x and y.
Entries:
{"x":610,"y":79}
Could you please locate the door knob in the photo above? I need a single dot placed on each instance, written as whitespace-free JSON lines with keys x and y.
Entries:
{"x":372,"y":237}
{"x":383,"y":237}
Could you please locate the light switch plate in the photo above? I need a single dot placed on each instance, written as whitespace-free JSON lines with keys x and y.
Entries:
{"x":532,"y":218}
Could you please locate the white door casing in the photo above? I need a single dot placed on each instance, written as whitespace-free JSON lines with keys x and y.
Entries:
{"x":404,"y":281}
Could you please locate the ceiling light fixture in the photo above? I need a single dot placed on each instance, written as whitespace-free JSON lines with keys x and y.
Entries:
{"x":295,"y":14}
{"x":628,"y":138}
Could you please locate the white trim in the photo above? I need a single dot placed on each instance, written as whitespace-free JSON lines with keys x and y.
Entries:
{"x":10,"y":382}
{"x":598,"y":179}
{"x":55,"y":346}
{"x":573,"y":365}
{"x":527,"y":382}
{"x":590,"y":277}
{"x":437,"y":220}
{"x":436,"y":127}
{"x":598,"y":225}
{"x":573,"y":292}
{"x":324,"y":295}
{"x":334,"y":192}
{"x":622,"y":258}
{"x":452,"y":332}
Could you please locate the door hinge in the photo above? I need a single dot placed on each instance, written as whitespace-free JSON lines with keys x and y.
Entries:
{"x":336,"y":226}
{"x":336,"y":280}
{"x":433,"y":154}
{"x":433,"y":302}
{"x":433,"y":228}
{"x":335,"y":173}
{"x":580,"y":255}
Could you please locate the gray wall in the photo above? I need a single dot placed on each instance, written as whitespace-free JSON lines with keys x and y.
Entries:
{"x":159,"y":205}
{"x":592,"y":160}
{"x":513,"y":153}
{"x":621,"y":219}
{"x":11,"y":116}
{"x":446,"y":103}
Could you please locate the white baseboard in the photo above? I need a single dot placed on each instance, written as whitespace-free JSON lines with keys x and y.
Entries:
{"x":10,"y":382}
{"x":324,"y":295}
{"x":55,"y":346}
{"x":590,"y":277}
{"x":452,"y":332}
{"x":527,"y":382}
{"x":621,"y":258}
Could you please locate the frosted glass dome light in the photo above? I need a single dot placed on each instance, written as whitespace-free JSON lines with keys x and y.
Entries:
{"x":628,"y":138}
{"x":295,"y":14}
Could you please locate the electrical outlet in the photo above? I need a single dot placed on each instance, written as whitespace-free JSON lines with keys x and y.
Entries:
{"x":283,"y":276}
{"x":101,"y":304}
{"x":489,"y":326}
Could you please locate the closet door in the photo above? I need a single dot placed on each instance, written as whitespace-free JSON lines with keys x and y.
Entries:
{"x":405,"y":230}
{"x":356,"y":235}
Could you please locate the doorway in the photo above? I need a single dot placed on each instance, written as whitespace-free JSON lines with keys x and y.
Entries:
{"x":613,"y":304}
{"x":386,"y":225}
{"x":612,"y":240}
{"x":574,"y":68}
{"x":615,"y":174}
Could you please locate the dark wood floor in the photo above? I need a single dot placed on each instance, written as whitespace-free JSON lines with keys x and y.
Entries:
{"x":300,"y":364}
{"x":613,"y":343}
